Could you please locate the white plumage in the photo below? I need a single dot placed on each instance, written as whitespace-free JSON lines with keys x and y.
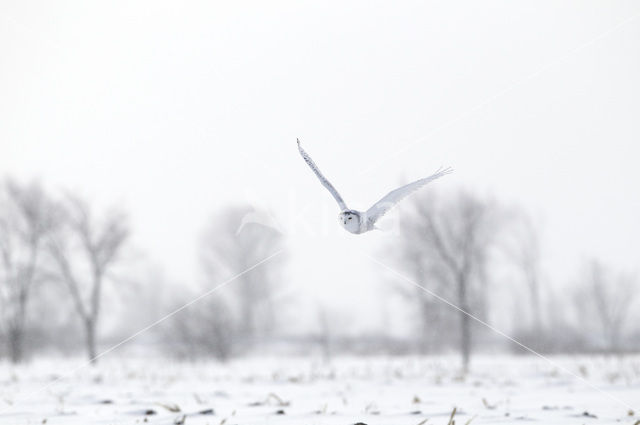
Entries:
{"x":362,"y":221}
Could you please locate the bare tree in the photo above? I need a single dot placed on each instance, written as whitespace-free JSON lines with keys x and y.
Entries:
{"x":26,"y":218}
{"x":604,"y":300}
{"x":202,"y":330}
{"x":330,"y":323}
{"x":324,"y":334}
{"x":524,"y":251}
{"x":230,"y":246}
{"x":85,"y":249}
{"x":446,"y":245}
{"x":435,"y":319}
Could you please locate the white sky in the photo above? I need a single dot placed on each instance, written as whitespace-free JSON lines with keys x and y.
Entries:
{"x":174,"y":109}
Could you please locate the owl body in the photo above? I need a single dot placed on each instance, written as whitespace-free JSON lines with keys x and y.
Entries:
{"x":354,"y":221}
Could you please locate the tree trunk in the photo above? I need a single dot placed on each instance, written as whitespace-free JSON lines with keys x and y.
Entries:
{"x":248,"y":317}
{"x":16,"y":345}
{"x":465,"y":345}
{"x":426,"y":339}
{"x":465,"y":324}
{"x":90,"y":327}
{"x":535,"y":306}
{"x":16,"y":331}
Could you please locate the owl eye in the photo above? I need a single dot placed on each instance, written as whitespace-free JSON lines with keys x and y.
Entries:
{"x":350,"y":218}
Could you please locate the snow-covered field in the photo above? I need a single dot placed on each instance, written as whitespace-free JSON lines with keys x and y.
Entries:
{"x":400,"y":390}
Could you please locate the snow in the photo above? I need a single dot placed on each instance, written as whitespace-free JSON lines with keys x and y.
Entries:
{"x":374,"y":390}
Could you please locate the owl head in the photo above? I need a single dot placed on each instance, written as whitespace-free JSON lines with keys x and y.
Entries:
{"x":350,"y":220}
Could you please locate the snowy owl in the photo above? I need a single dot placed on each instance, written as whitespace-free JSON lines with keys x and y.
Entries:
{"x":362,"y":221}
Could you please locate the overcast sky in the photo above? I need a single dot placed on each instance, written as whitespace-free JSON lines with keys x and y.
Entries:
{"x":174,"y":109}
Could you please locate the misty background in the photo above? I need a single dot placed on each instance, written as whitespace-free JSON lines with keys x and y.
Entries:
{"x":151,"y":130}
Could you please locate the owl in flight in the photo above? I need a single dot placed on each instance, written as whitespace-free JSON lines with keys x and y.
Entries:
{"x":362,"y":221}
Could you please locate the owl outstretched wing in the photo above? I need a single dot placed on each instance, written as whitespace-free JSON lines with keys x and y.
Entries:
{"x":381,"y":207}
{"x":322,"y":178}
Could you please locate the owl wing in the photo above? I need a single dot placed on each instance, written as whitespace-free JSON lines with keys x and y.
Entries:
{"x":381,"y":207}
{"x":322,"y":179}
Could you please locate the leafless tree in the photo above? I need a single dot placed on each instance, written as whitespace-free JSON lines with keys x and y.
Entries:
{"x":26,"y":217}
{"x":206,"y":329}
{"x":435,"y":319}
{"x":330,"y":322}
{"x":523,"y":249}
{"x":232,"y":245}
{"x":446,"y":244}
{"x":604,"y":301}
{"x":85,"y":249}
{"x":324,"y":334}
